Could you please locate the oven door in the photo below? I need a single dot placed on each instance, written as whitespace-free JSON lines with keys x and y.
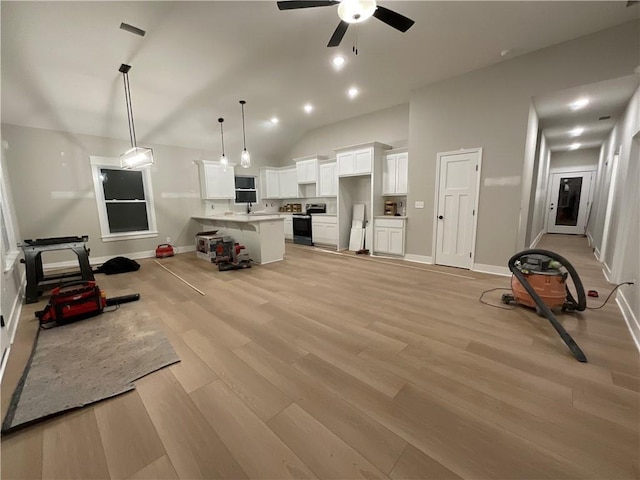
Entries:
{"x":302,"y":229}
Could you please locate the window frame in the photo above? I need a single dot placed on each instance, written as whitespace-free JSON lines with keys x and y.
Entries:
{"x":97,"y":163}
{"x":10,"y":251}
{"x":254,"y":189}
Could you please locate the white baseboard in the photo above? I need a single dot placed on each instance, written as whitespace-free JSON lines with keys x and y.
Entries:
{"x":492,"y":269}
{"x":101,"y":260}
{"x":410,"y":257}
{"x":607,"y":272}
{"x":590,"y":239}
{"x":596,"y":252}
{"x":632,"y":321}
{"x":537,"y":239}
{"x":13,"y":319}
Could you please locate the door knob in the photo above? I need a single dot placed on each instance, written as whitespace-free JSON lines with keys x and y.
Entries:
{"x":440,"y":217}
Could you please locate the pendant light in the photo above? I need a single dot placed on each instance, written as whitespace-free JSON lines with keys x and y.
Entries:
{"x":223,"y":158}
{"x":245,"y":158}
{"x":135,"y":157}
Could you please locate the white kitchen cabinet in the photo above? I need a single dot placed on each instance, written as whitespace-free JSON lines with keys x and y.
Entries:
{"x":395,"y":173}
{"x":388,"y":234}
{"x":215,"y":181}
{"x":324,"y":229}
{"x":328,"y":176}
{"x":307,"y":171}
{"x":288,"y":227}
{"x":355,"y":162}
{"x":271,"y":183}
{"x":288,"y":183}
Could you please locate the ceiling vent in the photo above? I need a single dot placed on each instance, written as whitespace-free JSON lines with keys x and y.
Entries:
{"x":132,"y":29}
{"x":606,"y":117}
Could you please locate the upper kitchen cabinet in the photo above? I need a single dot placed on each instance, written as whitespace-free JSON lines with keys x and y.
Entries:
{"x":395,"y":168}
{"x":307,"y":169}
{"x":216,"y":182}
{"x":359,"y":159}
{"x":270,"y":183}
{"x":289,"y":183}
{"x":279,"y":182}
{"x":328,"y":179}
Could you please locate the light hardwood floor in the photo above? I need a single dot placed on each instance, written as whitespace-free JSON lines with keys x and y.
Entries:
{"x":332,"y":366}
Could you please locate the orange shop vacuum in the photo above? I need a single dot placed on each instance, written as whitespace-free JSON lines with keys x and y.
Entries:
{"x":540,"y":281}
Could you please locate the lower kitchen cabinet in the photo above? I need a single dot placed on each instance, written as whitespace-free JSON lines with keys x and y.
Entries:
{"x":288,"y":227}
{"x":324,"y":229}
{"x":388,"y":234}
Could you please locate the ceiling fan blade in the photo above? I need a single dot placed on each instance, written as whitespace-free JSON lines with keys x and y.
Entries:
{"x":393,"y":19}
{"x":293,"y":4}
{"x":337,"y":36}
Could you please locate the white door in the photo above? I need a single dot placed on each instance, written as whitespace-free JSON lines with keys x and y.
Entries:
{"x":455,"y":212}
{"x":396,"y":241}
{"x":381,"y":239}
{"x":569,"y":204}
{"x":272,"y":184}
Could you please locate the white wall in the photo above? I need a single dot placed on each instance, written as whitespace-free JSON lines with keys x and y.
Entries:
{"x":539,"y":205}
{"x":587,"y":157}
{"x":490,"y":108}
{"x":54,"y":194}
{"x":389,"y":126}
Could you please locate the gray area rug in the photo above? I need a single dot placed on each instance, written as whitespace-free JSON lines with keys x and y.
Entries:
{"x":80,"y":363}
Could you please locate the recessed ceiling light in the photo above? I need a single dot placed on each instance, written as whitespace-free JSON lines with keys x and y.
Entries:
{"x":308,"y":108}
{"x":578,"y":104}
{"x":353,"y":92}
{"x":574,"y":146}
{"x":274,"y":120}
{"x":338,"y":61}
{"x":576,"y":132}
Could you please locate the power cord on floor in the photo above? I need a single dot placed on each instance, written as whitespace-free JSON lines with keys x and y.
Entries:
{"x":493,"y":305}
{"x":610,"y":294}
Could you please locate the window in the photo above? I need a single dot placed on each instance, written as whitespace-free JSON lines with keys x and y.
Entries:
{"x":246,"y":189}
{"x":125,"y":200}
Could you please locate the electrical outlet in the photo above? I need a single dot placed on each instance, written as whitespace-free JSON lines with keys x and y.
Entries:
{"x":168,"y":239}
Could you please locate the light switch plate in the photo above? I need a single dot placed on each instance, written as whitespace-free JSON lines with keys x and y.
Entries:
{"x":419,"y":204}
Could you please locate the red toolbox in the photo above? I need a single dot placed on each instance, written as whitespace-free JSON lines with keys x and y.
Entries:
{"x":164,"y":250}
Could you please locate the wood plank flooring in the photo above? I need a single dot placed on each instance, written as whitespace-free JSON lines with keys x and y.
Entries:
{"x":340,"y":367}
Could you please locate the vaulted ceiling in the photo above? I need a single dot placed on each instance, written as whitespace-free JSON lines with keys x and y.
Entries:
{"x":60,"y":62}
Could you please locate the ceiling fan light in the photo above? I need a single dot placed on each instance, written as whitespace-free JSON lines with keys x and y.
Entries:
{"x":356,"y":11}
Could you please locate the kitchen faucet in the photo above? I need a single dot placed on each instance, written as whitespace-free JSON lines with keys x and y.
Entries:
{"x":248,"y":208}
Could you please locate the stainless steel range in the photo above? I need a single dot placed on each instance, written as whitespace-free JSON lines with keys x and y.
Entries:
{"x":302,"y":233}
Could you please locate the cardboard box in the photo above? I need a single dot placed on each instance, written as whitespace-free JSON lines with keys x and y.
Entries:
{"x":205,"y":244}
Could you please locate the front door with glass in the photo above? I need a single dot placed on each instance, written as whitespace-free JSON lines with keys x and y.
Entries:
{"x":570,"y":202}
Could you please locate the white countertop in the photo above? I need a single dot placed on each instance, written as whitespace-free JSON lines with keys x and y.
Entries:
{"x":324,"y":214}
{"x":391,"y":216}
{"x":241,"y":218}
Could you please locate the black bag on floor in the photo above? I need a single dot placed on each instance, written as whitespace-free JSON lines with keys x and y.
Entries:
{"x":118,"y":265}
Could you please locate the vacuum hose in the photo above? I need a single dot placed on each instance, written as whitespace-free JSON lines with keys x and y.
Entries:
{"x":579,"y":305}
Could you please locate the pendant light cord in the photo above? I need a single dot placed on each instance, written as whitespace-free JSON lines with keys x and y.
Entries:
{"x":221,"y":134}
{"x":244,"y":138}
{"x":127,"y":95}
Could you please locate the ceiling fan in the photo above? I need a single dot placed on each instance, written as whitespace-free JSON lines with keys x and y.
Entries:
{"x":352,"y":11}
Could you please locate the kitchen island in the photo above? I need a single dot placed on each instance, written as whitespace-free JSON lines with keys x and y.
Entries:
{"x":262,"y":234}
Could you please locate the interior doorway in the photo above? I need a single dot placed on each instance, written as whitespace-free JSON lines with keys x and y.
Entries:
{"x":456,"y":206}
{"x":570,"y":201}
